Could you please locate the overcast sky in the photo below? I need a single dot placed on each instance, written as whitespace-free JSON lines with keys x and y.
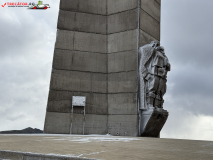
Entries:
{"x":26,"y":51}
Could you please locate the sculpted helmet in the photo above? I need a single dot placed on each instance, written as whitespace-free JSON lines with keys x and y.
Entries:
{"x":160,"y":48}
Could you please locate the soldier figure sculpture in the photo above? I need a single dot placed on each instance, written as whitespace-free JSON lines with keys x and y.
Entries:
{"x":153,"y":68}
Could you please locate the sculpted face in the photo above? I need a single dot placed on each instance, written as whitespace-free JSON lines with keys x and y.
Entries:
{"x":154,"y":44}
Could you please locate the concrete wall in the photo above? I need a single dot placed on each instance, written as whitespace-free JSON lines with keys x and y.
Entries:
{"x":79,"y":69}
{"x":122,"y":67}
{"x":96,"y":55}
{"x":88,"y":6}
{"x":61,"y":101}
{"x":57,"y":123}
{"x":116,"y":6}
{"x":149,"y":21}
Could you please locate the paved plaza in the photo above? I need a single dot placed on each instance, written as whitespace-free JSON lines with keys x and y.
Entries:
{"x":104,"y":147}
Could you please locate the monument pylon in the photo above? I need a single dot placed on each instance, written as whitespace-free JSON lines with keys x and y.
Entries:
{"x":97,"y":56}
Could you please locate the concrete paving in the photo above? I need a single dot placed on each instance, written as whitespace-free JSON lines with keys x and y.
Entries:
{"x":102,"y":147}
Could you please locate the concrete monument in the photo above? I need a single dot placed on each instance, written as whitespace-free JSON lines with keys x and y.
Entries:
{"x":96,"y":56}
{"x":153,"y":68}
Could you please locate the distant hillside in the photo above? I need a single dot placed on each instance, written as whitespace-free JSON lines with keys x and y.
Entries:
{"x":23,"y":131}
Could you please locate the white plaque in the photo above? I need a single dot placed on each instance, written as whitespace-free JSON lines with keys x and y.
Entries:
{"x":78,"y":101}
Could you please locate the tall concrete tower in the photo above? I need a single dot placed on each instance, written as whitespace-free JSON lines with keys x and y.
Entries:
{"x":96,"y":55}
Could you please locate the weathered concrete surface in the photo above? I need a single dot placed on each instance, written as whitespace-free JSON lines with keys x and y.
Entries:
{"x":13,"y":155}
{"x":81,"y":22}
{"x":123,"y":61}
{"x":64,"y":40}
{"x":123,"y":41}
{"x":96,"y":55}
{"x":70,"y":80}
{"x":149,"y":25}
{"x":90,"y":42}
{"x":122,"y":82}
{"x":80,"y":61}
{"x":81,"y":41}
{"x":61,"y":101}
{"x":63,"y":106}
{"x":145,"y":38}
{"x":123,"y":21}
{"x":99,"y":83}
{"x":88,"y":6}
{"x":159,"y":1}
{"x":61,"y":123}
{"x":122,"y":103}
{"x":95,"y":124}
{"x":77,"y":124}
{"x":123,"y":125}
{"x":121,"y":5}
{"x":106,"y":147}
{"x":78,"y":81}
{"x":152,"y":7}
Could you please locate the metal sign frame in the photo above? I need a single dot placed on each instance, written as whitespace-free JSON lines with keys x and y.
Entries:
{"x":78,"y":101}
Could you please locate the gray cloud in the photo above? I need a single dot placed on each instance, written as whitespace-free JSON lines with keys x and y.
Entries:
{"x":26,"y":53}
{"x":185,"y":34}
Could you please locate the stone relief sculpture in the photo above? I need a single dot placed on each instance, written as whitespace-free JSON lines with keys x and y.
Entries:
{"x":153,"y":68}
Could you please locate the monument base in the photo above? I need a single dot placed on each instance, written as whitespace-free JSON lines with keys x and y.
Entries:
{"x":152,"y":121}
